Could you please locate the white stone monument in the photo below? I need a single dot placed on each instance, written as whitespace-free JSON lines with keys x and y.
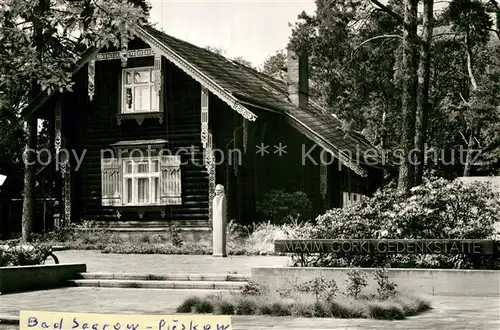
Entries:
{"x":219,"y":222}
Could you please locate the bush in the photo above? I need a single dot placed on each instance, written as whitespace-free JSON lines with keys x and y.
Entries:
{"x":251,"y":289}
{"x":63,"y":234}
{"x":386,"y":289}
{"x":189,"y":305}
{"x":397,"y":308}
{"x":321,"y":289}
{"x":175,"y":234}
{"x":437,"y":209}
{"x":356,"y":281}
{"x":279,"y":206}
{"x":4,"y":258}
{"x":20,"y":256}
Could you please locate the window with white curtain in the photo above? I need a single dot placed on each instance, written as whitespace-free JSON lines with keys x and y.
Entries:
{"x":138,"y":90}
{"x":141,"y":181}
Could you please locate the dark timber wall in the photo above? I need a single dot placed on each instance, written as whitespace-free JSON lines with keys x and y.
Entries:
{"x":94,"y":128}
{"x":252,"y":175}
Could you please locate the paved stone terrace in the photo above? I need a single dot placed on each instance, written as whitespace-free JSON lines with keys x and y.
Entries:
{"x":448,"y":313}
{"x":167,"y":264}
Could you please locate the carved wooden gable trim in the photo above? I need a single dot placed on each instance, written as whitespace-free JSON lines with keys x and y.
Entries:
{"x":196,"y":74}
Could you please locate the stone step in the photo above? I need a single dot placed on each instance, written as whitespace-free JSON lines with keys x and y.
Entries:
{"x":200,"y":227}
{"x":148,"y":224}
{"x":152,"y":284}
{"x":165,"y":277}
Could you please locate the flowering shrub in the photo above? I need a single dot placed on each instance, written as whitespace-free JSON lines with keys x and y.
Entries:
{"x":437,"y":209}
{"x":260,"y":238}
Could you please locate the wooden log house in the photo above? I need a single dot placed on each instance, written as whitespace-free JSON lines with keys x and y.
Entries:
{"x":220,"y":123}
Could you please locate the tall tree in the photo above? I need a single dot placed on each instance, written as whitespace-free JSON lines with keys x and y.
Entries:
{"x":40,"y":42}
{"x":471,"y":22}
{"x":424,"y":76}
{"x":31,"y":129}
{"x":273,"y":66}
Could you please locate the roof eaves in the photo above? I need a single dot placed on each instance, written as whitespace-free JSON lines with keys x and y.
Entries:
{"x":314,"y":136}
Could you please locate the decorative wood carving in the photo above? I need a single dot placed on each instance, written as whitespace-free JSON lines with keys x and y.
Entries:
{"x":67,"y":192}
{"x":204,"y":116}
{"x":57,"y":126}
{"x":130,"y":54}
{"x":210,"y":166}
{"x":196,"y":74}
{"x":157,"y":72}
{"x":139,"y":117}
{"x":91,"y":76}
{"x":124,"y":52}
{"x":64,"y":166}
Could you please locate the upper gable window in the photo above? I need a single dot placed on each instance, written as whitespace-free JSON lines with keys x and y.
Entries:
{"x":138,"y":90}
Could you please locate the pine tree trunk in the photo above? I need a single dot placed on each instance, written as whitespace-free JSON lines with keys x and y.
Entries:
{"x":409,"y":94}
{"x":473,"y":88}
{"x":468,"y":157}
{"x":29,"y":200}
{"x":423,"y":106}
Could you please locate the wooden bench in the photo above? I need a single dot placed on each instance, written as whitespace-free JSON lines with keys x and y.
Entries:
{"x":27,"y":247}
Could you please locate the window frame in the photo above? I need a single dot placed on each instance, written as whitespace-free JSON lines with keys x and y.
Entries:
{"x":135,"y":175}
{"x":154,"y":96}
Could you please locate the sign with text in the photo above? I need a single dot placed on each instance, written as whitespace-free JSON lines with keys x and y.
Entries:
{"x":388,"y":246}
{"x":86,"y":321}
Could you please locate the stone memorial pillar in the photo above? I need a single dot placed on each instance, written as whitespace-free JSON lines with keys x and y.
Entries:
{"x":219,"y":222}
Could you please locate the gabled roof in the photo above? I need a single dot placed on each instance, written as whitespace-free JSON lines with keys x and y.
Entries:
{"x":241,"y":86}
{"x":255,"y":88}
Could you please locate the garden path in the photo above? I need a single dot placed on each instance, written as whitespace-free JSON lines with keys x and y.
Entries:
{"x":168,"y":264}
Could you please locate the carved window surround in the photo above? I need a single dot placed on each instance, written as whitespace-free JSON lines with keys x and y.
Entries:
{"x":139,"y":117}
{"x":123,"y":55}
